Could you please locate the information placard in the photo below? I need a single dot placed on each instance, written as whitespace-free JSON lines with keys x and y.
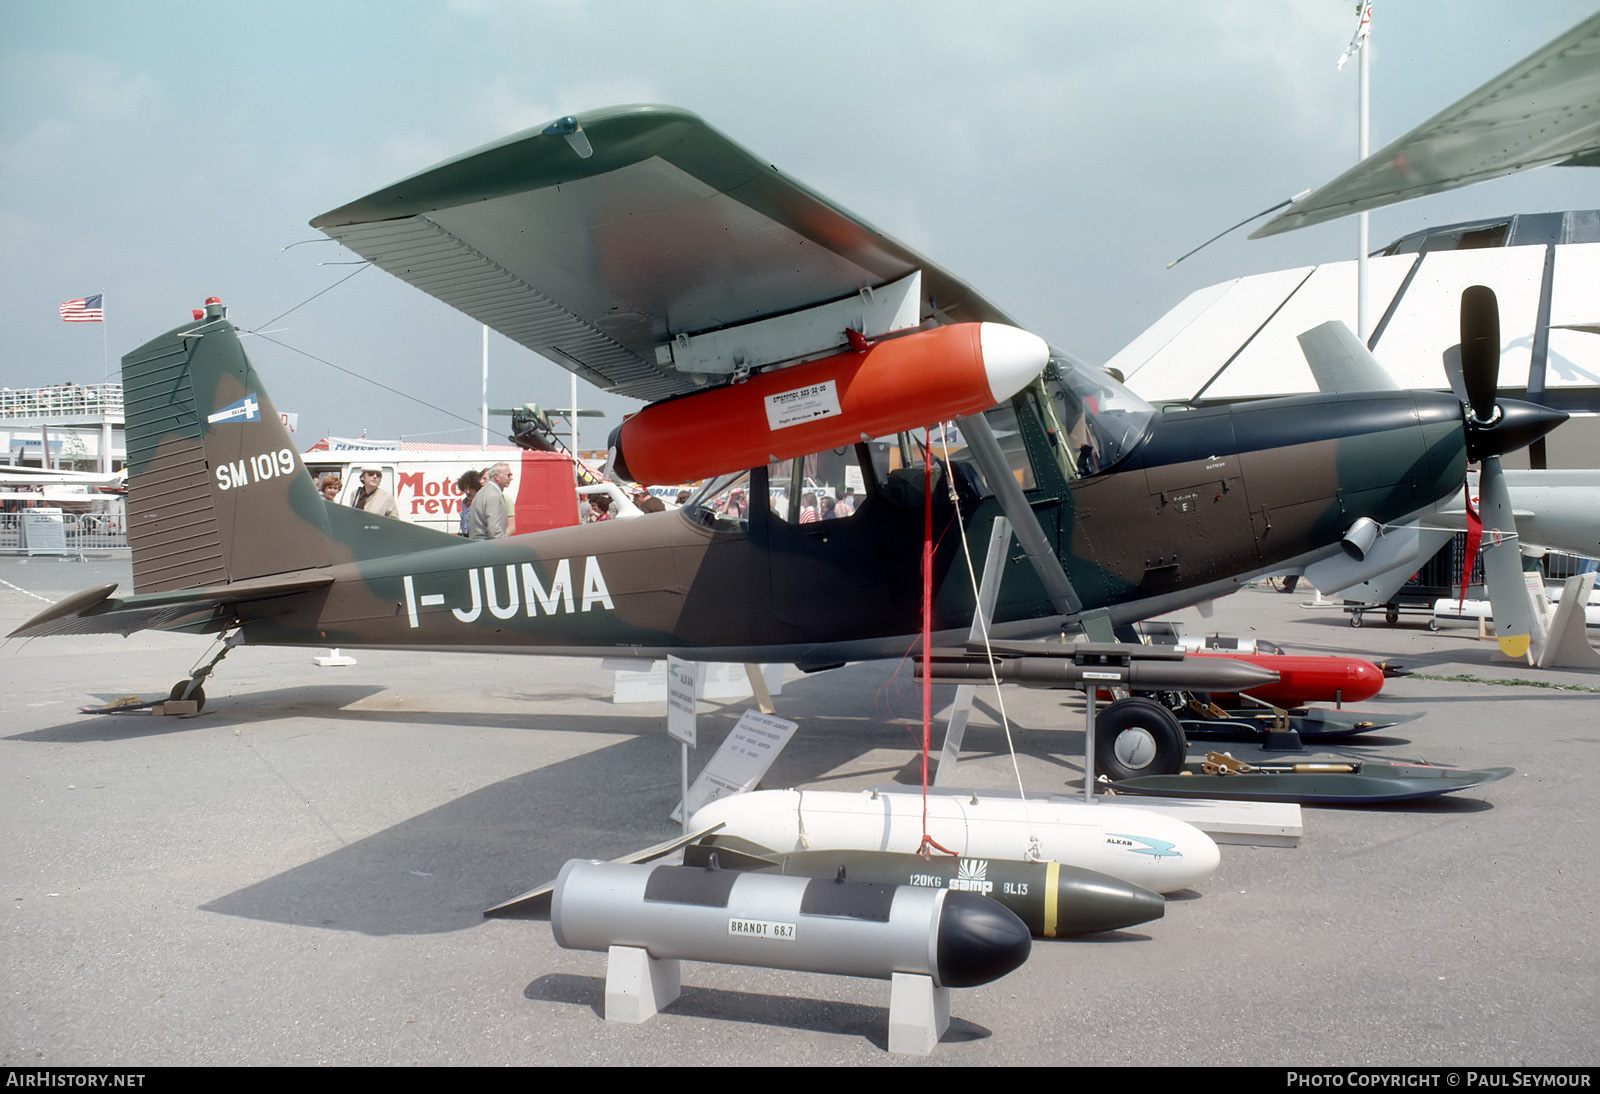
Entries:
{"x":743,"y":759}
{"x":680,"y":700}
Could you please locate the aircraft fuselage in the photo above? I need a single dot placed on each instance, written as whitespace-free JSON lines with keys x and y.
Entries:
{"x":1207,"y":498}
{"x":1144,"y":513}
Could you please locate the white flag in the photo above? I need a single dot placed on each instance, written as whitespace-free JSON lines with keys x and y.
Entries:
{"x":1363,"y":28}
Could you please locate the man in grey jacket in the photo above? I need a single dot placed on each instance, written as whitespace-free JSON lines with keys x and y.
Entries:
{"x":487,"y":517}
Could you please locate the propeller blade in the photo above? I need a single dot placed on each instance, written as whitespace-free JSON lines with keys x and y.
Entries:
{"x":1452,"y":373}
{"x":1502,"y":562}
{"x":1480,"y":349}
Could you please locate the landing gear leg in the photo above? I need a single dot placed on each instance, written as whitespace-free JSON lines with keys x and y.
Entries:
{"x":191,"y":688}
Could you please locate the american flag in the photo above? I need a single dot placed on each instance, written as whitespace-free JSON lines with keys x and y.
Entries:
{"x":86,"y":310}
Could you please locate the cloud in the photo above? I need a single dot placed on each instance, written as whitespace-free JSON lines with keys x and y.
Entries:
{"x":70,"y":100}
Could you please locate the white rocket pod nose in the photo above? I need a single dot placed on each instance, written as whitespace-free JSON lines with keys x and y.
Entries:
{"x":1011,"y":358}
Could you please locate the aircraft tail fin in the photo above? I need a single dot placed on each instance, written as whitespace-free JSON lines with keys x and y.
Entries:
{"x":216,"y":490}
{"x":1341,"y":362}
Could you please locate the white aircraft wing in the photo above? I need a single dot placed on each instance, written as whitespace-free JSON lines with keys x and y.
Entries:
{"x":1543,"y":111}
{"x":607,"y":241}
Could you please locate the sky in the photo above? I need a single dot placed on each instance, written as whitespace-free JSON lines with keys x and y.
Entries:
{"x":1056,"y":155}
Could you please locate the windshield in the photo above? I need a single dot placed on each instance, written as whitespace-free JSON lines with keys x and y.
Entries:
{"x":722,"y":503}
{"x":1099,"y":419}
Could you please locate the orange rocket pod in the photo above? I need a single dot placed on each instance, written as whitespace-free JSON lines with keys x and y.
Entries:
{"x":1307,"y":678}
{"x":901,"y":383}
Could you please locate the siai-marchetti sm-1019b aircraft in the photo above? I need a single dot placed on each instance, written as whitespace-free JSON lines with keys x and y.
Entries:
{"x":787,"y":351}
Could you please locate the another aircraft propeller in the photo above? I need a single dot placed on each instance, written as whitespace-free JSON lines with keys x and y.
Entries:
{"x":1493,"y":428}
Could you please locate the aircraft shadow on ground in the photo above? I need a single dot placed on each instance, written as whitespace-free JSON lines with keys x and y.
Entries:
{"x":332,"y":702}
{"x":778,"y":1011}
{"x":318,"y":701}
{"x":439,"y":870}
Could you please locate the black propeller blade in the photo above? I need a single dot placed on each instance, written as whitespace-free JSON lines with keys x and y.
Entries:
{"x":1480,"y":350}
{"x":1493,"y":426}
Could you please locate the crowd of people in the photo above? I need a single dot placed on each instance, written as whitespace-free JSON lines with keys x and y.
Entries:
{"x":485,"y":512}
{"x":68,"y":398}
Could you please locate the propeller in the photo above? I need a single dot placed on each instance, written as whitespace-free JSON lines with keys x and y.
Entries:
{"x":1492,"y":428}
{"x":1494,"y":425}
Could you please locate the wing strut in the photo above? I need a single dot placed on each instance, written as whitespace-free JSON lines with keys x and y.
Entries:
{"x":992,"y":462}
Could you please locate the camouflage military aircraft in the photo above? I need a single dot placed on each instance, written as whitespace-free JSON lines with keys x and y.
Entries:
{"x":647,"y":252}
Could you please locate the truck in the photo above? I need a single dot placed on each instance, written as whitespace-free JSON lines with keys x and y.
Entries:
{"x":548,"y":489}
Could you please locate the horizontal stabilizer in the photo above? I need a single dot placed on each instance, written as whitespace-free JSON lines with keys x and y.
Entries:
{"x":95,"y":611}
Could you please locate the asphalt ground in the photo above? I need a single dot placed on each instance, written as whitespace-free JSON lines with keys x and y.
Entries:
{"x":296,"y":876}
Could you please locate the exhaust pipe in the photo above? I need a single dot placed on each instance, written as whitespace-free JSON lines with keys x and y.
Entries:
{"x":1360,"y":538}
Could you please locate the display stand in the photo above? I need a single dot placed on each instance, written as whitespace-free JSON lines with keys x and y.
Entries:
{"x":982,"y":613}
{"x":637,"y":985}
{"x":919,"y":1013}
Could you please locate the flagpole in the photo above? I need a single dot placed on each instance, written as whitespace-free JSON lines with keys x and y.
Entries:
{"x":105,"y":341}
{"x":1363,"y":140}
{"x":1357,"y":49}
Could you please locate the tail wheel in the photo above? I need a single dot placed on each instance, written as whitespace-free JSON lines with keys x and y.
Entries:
{"x":198,"y":695}
{"x":1134,"y":737}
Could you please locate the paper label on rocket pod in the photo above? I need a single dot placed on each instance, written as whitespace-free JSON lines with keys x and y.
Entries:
{"x":803,"y":404}
{"x":761,"y":928}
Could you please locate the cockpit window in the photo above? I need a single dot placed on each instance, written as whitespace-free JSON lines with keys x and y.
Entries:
{"x":900,"y":467}
{"x":722,"y":503}
{"x":824,"y":486}
{"x":1091,"y":419}
{"x":1098,"y":421}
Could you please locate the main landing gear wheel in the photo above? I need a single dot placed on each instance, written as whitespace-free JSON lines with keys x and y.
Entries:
{"x":199,"y":695}
{"x":1134,"y":737}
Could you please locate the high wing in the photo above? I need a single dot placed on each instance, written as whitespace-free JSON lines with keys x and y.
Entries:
{"x":611,"y":241}
{"x":1541,"y":112}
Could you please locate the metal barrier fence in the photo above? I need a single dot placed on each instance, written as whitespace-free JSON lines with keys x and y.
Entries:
{"x":1443,"y":571}
{"x":80,"y":532}
{"x":61,"y":401}
{"x":1558,"y":567}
